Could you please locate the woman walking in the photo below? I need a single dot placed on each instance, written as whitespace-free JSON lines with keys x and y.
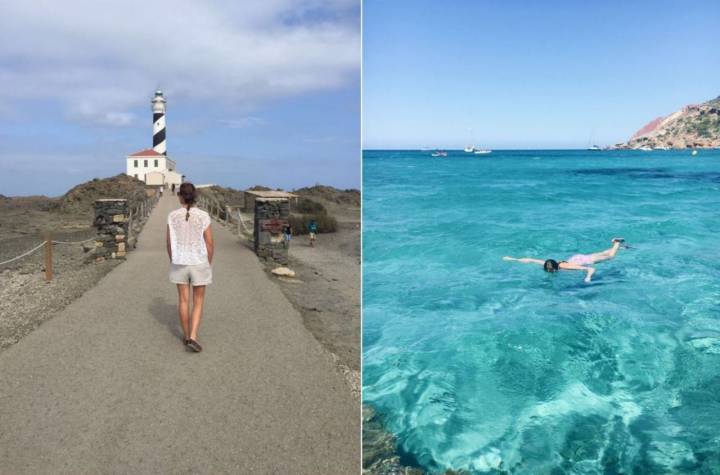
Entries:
{"x":190,"y":248}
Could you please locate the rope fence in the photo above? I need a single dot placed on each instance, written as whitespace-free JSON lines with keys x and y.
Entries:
{"x":242,"y":222}
{"x":138,"y":212}
{"x":74,"y":242}
{"x":24,"y":254}
{"x":224,"y":214}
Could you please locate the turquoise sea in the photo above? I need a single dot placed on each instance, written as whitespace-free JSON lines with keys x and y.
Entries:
{"x":495,"y":367}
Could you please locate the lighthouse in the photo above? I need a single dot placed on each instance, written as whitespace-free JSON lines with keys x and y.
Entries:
{"x":158,"y":108}
{"x":152,"y":165}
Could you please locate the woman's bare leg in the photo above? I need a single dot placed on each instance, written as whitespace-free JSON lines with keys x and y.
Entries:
{"x":198,"y":300}
{"x":184,"y":308}
{"x":607,"y":254}
{"x":524,"y":260}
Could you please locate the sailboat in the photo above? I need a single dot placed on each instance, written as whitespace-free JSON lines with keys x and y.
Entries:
{"x":591,"y":140}
{"x":469,"y":148}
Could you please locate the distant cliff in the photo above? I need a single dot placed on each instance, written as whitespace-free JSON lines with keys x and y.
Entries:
{"x":692,"y":126}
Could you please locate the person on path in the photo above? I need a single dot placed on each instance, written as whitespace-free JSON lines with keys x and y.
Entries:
{"x":190,"y":247}
{"x":173,"y":188}
{"x":287,"y":235}
{"x":161,"y":191}
{"x":312,"y":228}
{"x":581,"y":262}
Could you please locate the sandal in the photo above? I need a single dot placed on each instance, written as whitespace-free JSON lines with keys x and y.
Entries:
{"x":194,"y":345}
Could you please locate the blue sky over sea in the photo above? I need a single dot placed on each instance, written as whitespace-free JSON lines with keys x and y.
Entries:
{"x":258,"y":92}
{"x":521,"y":74}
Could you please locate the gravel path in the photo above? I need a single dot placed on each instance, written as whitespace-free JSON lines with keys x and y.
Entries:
{"x":107,"y":387}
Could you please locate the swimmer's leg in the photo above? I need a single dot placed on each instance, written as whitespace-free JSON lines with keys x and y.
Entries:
{"x":607,"y":254}
{"x":524,"y":260}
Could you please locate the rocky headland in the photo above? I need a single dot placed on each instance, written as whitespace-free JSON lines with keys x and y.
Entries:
{"x":693,"y":126}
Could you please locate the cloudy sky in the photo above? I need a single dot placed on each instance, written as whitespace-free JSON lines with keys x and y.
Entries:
{"x":261,"y":92}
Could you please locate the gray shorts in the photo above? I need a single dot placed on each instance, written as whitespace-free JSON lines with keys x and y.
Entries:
{"x":200,"y":274}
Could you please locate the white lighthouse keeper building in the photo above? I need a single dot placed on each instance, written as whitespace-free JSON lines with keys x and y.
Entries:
{"x":152,"y":165}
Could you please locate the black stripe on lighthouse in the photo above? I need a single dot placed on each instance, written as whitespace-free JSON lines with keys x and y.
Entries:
{"x":159,"y":136}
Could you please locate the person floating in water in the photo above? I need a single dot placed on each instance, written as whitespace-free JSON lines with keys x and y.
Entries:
{"x":581,"y":262}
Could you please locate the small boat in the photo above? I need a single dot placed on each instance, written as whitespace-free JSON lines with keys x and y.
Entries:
{"x":439,"y":153}
{"x":469,"y":149}
{"x":646,"y":148}
{"x":661,"y":147}
{"x":594,"y":148}
{"x":694,"y":152}
{"x":482,"y":151}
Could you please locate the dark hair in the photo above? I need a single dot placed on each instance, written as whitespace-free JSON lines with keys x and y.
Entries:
{"x":188,"y":194}
{"x":551,"y":265}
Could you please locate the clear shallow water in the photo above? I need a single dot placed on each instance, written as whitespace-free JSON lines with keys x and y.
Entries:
{"x":482,"y":365}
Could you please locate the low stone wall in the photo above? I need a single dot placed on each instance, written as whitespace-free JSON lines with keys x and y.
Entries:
{"x":271,"y":217}
{"x":111,"y":222}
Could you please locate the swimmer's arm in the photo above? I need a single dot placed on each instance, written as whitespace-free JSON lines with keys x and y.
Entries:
{"x":590,"y":270}
{"x":524,"y":260}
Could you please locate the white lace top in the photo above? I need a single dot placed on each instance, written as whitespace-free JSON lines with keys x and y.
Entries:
{"x":186,"y":237}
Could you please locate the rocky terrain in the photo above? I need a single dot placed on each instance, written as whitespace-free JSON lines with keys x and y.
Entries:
{"x":26,"y":300}
{"x":693,"y":126}
{"x":228,"y":196}
{"x":29,"y":216}
{"x":380,"y":455}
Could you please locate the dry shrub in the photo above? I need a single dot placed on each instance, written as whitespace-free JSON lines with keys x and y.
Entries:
{"x":325,"y":223}
{"x":308,"y":206}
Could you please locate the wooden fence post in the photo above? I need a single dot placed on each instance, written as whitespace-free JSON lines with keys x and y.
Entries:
{"x":48,"y":257}
{"x":130,"y":224}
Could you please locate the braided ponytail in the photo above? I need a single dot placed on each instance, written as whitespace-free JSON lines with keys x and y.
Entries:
{"x":188,"y":194}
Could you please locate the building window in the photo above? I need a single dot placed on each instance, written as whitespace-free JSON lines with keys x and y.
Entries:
{"x":156,"y":163}
{"x":145,"y":163}
{"x":135,"y":165}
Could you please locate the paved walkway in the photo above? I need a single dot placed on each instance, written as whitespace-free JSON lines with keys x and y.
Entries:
{"x":106,"y":386}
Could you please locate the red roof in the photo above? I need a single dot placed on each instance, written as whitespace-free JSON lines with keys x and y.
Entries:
{"x":147,"y":153}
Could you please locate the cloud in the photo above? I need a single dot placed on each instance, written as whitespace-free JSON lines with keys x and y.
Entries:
{"x":243,"y":122}
{"x":99,"y":60}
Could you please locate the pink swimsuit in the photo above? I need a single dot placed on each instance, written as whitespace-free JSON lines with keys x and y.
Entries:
{"x":581,"y":259}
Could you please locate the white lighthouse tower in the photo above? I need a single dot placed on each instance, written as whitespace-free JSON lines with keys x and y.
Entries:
{"x":152,"y":165}
{"x":158,"y":108}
